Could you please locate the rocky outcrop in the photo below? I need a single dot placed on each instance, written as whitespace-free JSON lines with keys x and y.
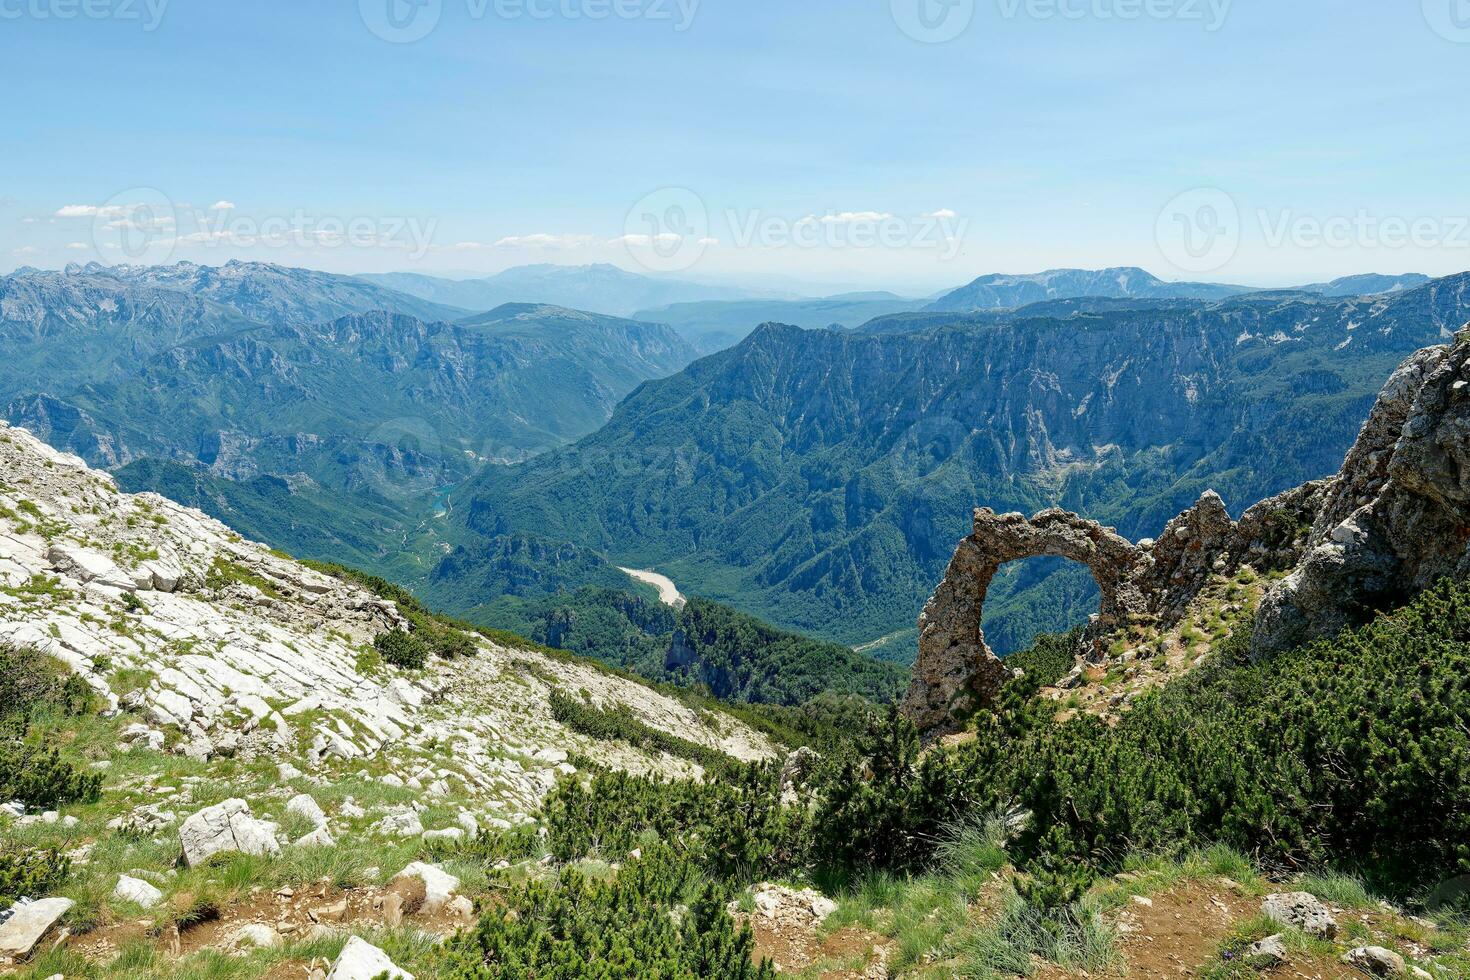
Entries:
{"x":1149,"y":582}
{"x":956,"y":671}
{"x":1397,"y":517}
{"x":1394,"y":520}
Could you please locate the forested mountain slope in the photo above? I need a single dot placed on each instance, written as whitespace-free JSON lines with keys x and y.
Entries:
{"x":817,"y":478}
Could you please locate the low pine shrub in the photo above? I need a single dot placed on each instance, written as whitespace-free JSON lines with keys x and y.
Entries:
{"x":658,"y":919}
{"x":402,"y":649}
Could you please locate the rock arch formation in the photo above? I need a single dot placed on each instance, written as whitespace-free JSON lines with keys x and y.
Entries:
{"x":956,"y":671}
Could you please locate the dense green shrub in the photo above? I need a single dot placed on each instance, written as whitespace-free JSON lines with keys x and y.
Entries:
{"x":30,"y":680}
{"x":658,"y":919}
{"x":1354,"y":750}
{"x":36,"y":775}
{"x":1350,"y":751}
{"x":734,"y":827}
{"x":26,"y":872}
{"x":402,"y":649}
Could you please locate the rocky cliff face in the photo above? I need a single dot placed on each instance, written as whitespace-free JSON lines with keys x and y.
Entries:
{"x":1397,"y":517}
{"x":220,"y":647}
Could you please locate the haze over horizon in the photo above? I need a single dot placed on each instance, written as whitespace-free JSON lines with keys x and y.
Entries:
{"x":825,"y":144}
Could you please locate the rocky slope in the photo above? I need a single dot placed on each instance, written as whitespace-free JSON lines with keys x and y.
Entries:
{"x":223,"y":648}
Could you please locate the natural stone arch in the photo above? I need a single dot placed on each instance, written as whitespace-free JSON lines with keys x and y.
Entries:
{"x":956,"y":671}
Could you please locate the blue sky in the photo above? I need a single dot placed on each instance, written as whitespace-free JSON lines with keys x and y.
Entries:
{"x":1246,"y":141}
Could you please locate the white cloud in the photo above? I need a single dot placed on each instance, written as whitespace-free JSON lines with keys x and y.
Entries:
{"x":222,"y":206}
{"x":647,"y":241}
{"x":543,"y":240}
{"x":29,"y":221}
{"x":80,"y":211}
{"x":78,"y":246}
{"x":943,"y":214}
{"x":27,"y":250}
{"x":853,"y":217}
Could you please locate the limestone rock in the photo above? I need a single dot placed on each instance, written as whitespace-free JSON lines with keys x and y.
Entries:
{"x":28,"y":925}
{"x":1376,"y":961}
{"x":1397,"y":516}
{"x":305,"y":807}
{"x":254,"y":936}
{"x":956,"y":671}
{"x":439,"y":885}
{"x":137,"y":891}
{"x":361,"y":960}
{"x":226,"y":827}
{"x":400,"y":823}
{"x":1267,"y":952}
{"x":791,"y":908}
{"x":1302,"y":910}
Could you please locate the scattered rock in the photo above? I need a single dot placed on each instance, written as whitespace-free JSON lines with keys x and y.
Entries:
{"x":28,"y":925}
{"x":226,"y":827}
{"x":439,"y":885}
{"x":791,"y":908}
{"x":361,"y":960}
{"x":254,"y":936}
{"x":1302,"y":910}
{"x":1267,"y":952}
{"x":307,"y":808}
{"x":1376,"y":961}
{"x":400,"y":823}
{"x":137,"y":891}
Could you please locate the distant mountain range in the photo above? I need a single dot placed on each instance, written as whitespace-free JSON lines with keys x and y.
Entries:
{"x":997,"y":292}
{"x":716,"y":324}
{"x":598,"y":288}
{"x":820,"y":479}
{"x":231,"y":371}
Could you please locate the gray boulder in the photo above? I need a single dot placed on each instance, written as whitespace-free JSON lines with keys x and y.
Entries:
{"x":361,"y":960}
{"x":28,"y":925}
{"x":223,"y":828}
{"x":1376,"y":961}
{"x":1303,"y":911}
